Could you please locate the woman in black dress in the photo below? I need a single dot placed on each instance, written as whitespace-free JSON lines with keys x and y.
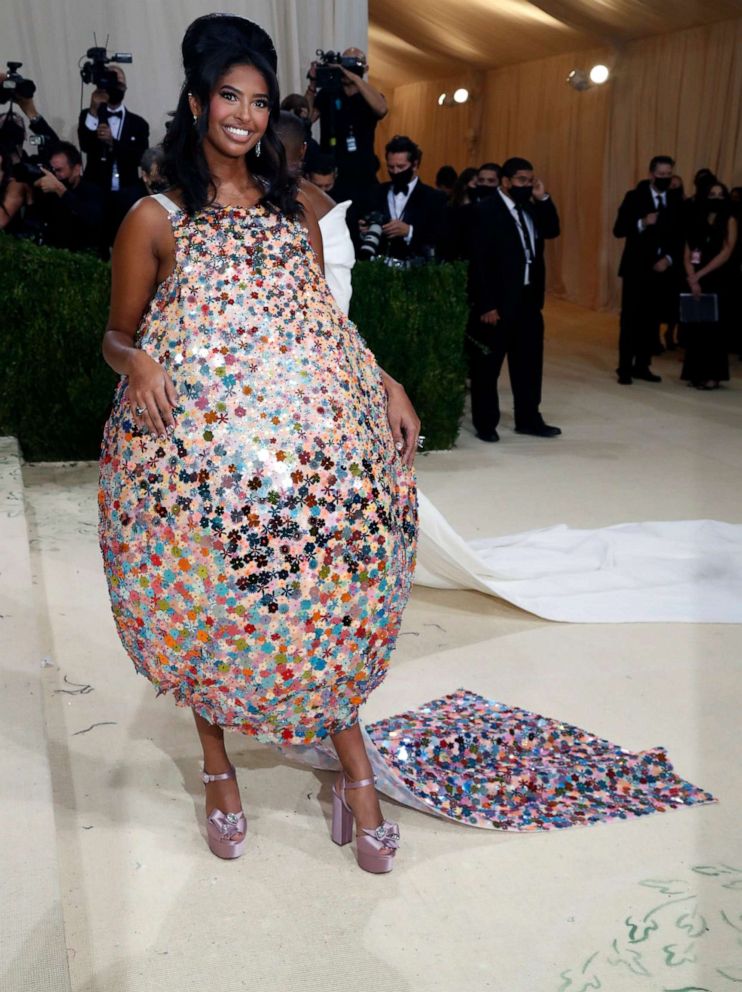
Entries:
{"x":710,"y":243}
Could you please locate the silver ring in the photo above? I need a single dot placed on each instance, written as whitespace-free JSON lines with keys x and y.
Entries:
{"x":140,"y":410}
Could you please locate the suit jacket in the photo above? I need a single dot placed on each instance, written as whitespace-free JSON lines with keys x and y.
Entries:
{"x":644,"y":248}
{"x":498,"y":259}
{"x":133,"y":141}
{"x":424,"y":209}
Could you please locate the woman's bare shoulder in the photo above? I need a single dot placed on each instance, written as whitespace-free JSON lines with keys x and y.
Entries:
{"x":316,"y":199}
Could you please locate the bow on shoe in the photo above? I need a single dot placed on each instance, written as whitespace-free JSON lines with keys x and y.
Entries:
{"x":387,"y":835}
{"x":228,"y":824}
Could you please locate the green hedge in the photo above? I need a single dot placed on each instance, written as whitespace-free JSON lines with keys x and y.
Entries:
{"x":414,"y":321}
{"x":56,"y":390}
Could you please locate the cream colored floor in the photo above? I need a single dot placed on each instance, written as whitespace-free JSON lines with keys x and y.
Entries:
{"x":146,"y":907}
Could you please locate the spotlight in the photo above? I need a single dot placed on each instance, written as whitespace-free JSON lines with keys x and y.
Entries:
{"x":461,"y":95}
{"x":599,"y":74}
{"x":578,"y":80}
{"x":442,"y":99}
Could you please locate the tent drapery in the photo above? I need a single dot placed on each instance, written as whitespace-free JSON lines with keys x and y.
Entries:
{"x":677,"y":94}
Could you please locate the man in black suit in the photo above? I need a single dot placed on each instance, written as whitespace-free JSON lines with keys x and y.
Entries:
{"x":650,"y":218}
{"x":412,"y":212}
{"x":507,"y":280}
{"x":114,"y":140}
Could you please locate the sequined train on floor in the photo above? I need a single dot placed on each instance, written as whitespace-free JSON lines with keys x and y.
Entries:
{"x":486,"y":764}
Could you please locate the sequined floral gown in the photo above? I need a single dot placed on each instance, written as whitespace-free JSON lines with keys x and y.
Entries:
{"x":259,"y":559}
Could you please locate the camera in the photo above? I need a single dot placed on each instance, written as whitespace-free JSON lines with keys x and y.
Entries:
{"x":26,"y":172}
{"x":328,"y":75}
{"x":369,"y":246}
{"x":15,"y":86}
{"x":94,"y":71}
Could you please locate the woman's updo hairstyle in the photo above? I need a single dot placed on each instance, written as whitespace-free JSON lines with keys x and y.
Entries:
{"x":211,"y":45}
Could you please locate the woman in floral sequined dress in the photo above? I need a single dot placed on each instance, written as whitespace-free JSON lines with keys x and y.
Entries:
{"x":257,"y":500}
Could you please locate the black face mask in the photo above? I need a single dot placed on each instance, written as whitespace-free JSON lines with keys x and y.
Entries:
{"x":116,"y":96}
{"x":520,"y":194}
{"x":662,"y":183}
{"x":159,"y":185}
{"x":482,"y":192}
{"x":716,"y":206}
{"x":402,"y":179}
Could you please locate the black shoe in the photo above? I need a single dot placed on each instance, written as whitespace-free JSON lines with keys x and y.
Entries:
{"x":490,"y":438}
{"x":646,"y":375}
{"x":624,"y":380}
{"x":539,"y":430}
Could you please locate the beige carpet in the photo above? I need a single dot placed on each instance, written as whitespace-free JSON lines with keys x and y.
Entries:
{"x":652,"y":904}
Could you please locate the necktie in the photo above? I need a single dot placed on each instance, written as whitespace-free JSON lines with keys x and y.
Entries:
{"x":530,"y":253}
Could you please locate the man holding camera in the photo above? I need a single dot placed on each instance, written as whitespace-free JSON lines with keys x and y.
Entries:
{"x":348,"y":108}
{"x":114,"y":140}
{"x":71,"y":208}
{"x":411,"y":212}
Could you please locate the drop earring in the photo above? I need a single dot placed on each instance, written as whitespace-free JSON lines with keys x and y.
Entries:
{"x":257,"y":149}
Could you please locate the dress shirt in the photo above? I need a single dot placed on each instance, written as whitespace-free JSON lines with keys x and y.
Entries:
{"x":397,"y":203}
{"x":510,"y":204}
{"x":115,"y":123}
{"x":660,"y":202}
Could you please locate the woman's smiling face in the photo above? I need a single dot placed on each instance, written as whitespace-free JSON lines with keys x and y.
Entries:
{"x":239,"y":110}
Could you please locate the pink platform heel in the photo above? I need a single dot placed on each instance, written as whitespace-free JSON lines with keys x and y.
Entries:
{"x":369,"y":843}
{"x":221,"y":828}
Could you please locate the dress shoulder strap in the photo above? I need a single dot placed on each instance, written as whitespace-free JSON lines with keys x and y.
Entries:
{"x":167,"y":203}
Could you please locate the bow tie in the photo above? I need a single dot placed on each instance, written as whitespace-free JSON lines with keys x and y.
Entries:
{"x":404,"y":190}
{"x":116,"y":113}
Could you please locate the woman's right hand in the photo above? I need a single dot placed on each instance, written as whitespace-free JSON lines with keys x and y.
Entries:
{"x":695,"y":288}
{"x":151,"y":390}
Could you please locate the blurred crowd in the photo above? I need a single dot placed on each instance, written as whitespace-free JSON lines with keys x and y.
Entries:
{"x":681,"y":260}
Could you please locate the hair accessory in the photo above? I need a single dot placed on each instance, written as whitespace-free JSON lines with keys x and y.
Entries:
{"x":257,"y":149}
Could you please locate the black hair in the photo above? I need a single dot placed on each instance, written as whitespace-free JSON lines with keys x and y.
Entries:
{"x":661,"y":160}
{"x":66,"y":148}
{"x":290,"y":128}
{"x":515,"y":164}
{"x":401,"y":143}
{"x":446,"y":176}
{"x":295,"y":102}
{"x":152,"y":156}
{"x":491,"y":167}
{"x":212,"y":45}
{"x":322,"y":165}
{"x":460,"y":186}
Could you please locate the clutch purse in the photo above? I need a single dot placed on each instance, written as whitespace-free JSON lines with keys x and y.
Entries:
{"x":701,"y":310}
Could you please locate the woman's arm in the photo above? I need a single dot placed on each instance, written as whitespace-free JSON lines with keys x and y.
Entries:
{"x":726,"y":252}
{"x":142,"y":254}
{"x":15,"y":196}
{"x":310,"y":222}
{"x":403,"y":421}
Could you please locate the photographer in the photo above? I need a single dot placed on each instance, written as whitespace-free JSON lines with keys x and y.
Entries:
{"x":322,"y":172}
{"x":70,"y":208}
{"x":411,"y":213}
{"x":348,"y":109}
{"x":114,"y":140}
{"x":44,"y":133}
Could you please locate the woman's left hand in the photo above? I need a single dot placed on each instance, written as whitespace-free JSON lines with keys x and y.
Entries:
{"x":403,"y":421}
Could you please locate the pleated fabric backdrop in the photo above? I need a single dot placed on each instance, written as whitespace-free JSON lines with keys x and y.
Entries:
{"x":49,"y":39}
{"x":677,"y":94}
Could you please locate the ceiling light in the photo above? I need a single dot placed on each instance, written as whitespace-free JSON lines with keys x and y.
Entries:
{"x":442,"y":99}
{"x":461,"y":95}
{"x":578,"y":80}
{"x":599,"y":74}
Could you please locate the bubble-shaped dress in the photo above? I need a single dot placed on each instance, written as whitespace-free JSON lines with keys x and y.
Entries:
{"x":258,"y":559}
